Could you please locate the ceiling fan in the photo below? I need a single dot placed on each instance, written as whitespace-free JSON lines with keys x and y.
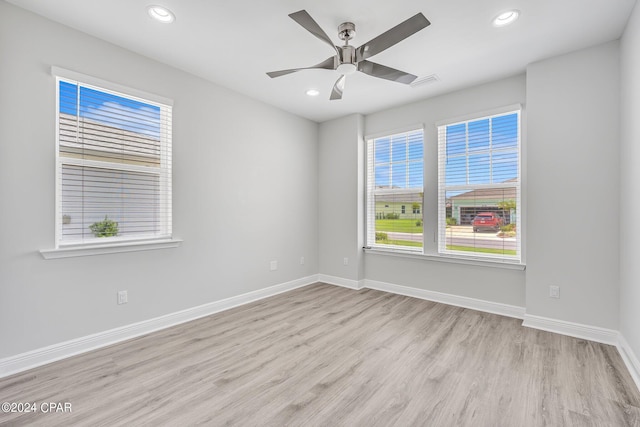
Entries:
{"x":349,"y":59}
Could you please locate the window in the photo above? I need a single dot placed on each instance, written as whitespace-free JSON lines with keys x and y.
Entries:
{"x":395,"y":166}
{"x":479,"y":187}
{"x":113,"y":163}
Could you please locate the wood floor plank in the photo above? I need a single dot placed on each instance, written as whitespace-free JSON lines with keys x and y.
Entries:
{"x":323,"y":355}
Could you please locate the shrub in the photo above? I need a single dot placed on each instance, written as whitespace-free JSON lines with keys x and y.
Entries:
{"x":392,"y":216}
{"x":452,"y":221}
{"x":508,"y":230}
{"x":104,"y":228}
{"x":381,"y":236}
{"x":508,"y":227}
{"x":419,"y":223}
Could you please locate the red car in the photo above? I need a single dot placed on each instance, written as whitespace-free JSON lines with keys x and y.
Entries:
{"x":487,"y":221}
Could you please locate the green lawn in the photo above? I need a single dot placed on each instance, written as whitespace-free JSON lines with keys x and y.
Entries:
{"x":483,"y":250}
{"x":400,"y":243}
{"x":399,"y":225}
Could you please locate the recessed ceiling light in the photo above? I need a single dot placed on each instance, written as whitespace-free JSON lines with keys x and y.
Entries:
{"x":313,"y":92}
{"x":161,"y":14}
{"x":506,"y":18}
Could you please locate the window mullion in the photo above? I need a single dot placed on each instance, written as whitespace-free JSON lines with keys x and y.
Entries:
{"x":466,"y":150}
{"x":490,"y":151}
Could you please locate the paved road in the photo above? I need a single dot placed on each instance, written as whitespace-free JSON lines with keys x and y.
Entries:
{"x":483,"y":242}
{"x":413,"y":237}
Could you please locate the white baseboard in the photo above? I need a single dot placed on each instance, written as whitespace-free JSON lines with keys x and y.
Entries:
{"x":340,"y":281}
{"x":630,"y":359}
{"x":577,"y":330}
{"x":52,"y":353}
{"x":591,"y":333}
{"x":458,"y":301}
{"x":42,"y":356}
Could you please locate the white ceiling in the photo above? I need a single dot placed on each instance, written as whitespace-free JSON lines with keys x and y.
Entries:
{"x":234,"y":43}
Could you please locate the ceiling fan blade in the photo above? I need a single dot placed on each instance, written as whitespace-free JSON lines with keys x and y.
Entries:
{"x":384,"y":72}
{"x":338,"y":88}
{"x":392,"y":36}
{"x":307,"y":22}
{"x":328,"y":64}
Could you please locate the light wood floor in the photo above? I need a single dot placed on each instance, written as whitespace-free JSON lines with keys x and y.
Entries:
{"x":328,"y":356}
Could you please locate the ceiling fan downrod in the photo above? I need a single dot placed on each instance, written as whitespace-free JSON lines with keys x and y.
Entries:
{"x":348,"y":64}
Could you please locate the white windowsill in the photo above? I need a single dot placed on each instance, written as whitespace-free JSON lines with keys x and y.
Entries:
{"x":449,"y":258}
{"x":109,"y":248}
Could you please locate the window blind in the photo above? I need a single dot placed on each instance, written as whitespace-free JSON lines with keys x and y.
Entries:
{"x":479,"y":187}
{"x":395,"y":180}
{"x":114,"y":165}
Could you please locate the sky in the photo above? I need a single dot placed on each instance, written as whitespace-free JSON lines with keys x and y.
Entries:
{"x":399,"y":160}
{"x":110,"y":109}
{"x":483,"y":151}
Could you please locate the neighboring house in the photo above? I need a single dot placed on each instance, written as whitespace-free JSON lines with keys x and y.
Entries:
{"x":465,"y":206}
{"x":405,"y":205}
{"x":131,"y":197}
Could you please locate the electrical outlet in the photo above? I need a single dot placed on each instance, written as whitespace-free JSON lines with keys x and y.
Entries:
{"x":554,"y":291}
{"x":123,"y":297}
{"x":273,"y":265}
{"x":346,"y":261}
{"x":301,"y":260}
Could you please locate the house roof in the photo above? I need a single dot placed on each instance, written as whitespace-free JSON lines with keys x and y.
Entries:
{"x":85,"y":138}
{"x":399,"y":197}
{"x":489,"y":193}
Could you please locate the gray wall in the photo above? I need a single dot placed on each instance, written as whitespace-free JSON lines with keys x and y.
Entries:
{"x":573,"y":203}
{"x":630,"y":184}
{"x":570,"y":164}
{"x":338,"y":189}
{"x":254,"y":184}
{"x":245,"y":192}
{"x":341,"y":233}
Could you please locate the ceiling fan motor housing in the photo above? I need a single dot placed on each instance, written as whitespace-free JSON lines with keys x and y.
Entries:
{"x":347,"y":54}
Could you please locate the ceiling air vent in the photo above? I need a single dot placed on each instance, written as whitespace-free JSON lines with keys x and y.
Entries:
{"x":426,"y":80}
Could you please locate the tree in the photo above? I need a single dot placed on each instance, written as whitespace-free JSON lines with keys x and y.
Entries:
{"x":507,"y":205}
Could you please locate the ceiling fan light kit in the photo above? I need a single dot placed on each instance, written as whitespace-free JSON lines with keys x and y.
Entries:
{"x":346,"y":69}
{"x":349,"y":59}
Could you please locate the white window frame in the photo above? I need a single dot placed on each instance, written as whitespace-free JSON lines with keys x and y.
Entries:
{"x":431,"y":220}
{"x":442,"y":188}
{"x":121,"y":243}
{"x":370,"y":192}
